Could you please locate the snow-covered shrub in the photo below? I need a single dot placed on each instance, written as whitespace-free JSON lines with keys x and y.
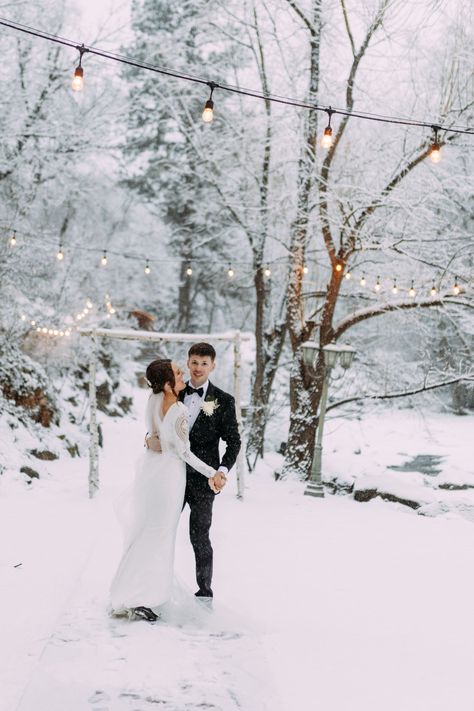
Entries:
{"x":25,"y":383}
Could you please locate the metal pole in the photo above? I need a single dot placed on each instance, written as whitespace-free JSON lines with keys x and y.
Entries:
{"x":238,"y":412}
{"x":315,"y":484}
{"x":93,"y":432}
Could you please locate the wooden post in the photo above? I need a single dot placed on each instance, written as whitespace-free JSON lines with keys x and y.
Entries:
{"x":238,"y":412}
{"x":93,"y":432}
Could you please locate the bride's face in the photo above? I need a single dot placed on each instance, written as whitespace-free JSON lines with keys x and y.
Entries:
{"x":178,"y":377}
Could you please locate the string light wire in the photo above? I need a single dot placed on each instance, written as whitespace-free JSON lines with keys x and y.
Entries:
{"x":229,"y":87}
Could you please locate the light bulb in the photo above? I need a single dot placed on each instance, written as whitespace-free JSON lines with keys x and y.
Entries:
{"x":44,"y":330}
{"x":77,"y":83}
{"x":267,"y":271}
{"x":147,"y":267}
{"x":23,"y":317}
{"x":13,"y":239}
{"x":326,"y":140}
{"x":103,"y":261}
{"x":305,"y":270}
{"x":433,"y":290}
{"x":394,"y":287}
{"x":339,"y":267}
{"x":112,"y":310}
{"x":33,"y":323}
{"x":377,"y":286}
{"x":456,"y":288}
{"x":89,"y":304}
{"x":189,"y":271}
{"x":435,"y":152}
{"x":349,"y":275}
{"x":208,"y":113}
{"x":363,"y":281}
{"x":412,"y":290}
{"x":38,"y":329}
{"x":230,"y":272}
{"x":60,"y":254}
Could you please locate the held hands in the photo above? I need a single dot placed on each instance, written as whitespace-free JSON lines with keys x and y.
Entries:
{"x":217,"y":482}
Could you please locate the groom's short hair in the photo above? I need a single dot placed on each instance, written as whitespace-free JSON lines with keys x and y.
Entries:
{"x":202,"y":349}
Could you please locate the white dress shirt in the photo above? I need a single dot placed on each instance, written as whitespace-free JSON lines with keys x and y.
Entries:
{"x":194,"y":402}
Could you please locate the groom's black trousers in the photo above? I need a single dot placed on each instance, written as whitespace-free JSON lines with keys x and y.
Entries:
{"x":200,"y":499}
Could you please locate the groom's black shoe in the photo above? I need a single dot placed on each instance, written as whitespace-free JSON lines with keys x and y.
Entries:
{"x":204,"y":593}
{"x":144,"y":613}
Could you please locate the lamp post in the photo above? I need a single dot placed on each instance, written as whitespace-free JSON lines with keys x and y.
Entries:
{"x":332,"y":354}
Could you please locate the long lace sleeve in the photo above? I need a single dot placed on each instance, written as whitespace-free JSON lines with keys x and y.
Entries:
{"x":182,"y":446}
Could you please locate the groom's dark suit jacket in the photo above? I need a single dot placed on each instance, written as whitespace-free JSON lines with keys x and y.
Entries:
{"x":209,"y":429}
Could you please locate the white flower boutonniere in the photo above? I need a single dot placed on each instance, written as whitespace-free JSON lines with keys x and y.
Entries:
{"x":209,"y":407}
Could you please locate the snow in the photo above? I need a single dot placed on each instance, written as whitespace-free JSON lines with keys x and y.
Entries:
{"x":320,"y":603}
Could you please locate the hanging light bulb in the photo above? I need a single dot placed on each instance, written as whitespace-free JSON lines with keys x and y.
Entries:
{"x":363,"y":281}
{"x":456,"y":287}
{"x":89,"y":304}
{"x":189,"y":271}
{"x":23,"y":317}
{"x":230,"y":272}
{"x":13,"y":239}
{"x":377,"y":286}
{"x":412,"y":290}
{"x":147,"y":267}
{"x":433,"y":290}
{"x":103,"y":261}
{"x":394,"y":287}
{"x":305,"y":270}
{"x":267,"y":271}
{"x":435,"y":150}
{"x":326,"y":140}
{"x":60,"y":254}
{"x":208,"y":113}
{"x":77,"y":83}
{"x":33,"y":323}
{"x":339,"y":266}
{"x":349,"y":274}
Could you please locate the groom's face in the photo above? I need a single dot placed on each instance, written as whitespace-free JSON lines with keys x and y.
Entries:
{"x":199,"y":369}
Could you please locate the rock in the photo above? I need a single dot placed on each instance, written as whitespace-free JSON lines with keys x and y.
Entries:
{"x":44,"y":455}
{"x":365,"y":495}
{"x":32,"y":473}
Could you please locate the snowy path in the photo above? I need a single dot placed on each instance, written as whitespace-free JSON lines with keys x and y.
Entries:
{"x":321,"y":604}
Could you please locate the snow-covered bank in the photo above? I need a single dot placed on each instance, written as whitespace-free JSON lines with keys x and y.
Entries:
{"x":325,"y":604}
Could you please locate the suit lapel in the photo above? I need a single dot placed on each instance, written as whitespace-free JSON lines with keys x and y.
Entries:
{"x":201,"y":418}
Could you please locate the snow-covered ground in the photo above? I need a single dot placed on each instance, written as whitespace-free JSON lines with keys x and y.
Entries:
{"x":320,"y":604}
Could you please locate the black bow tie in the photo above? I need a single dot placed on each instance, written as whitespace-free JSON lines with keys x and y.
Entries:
{"x":190,"y":390}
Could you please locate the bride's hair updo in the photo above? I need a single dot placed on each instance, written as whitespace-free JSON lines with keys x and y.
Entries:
{"x":158,"y":373}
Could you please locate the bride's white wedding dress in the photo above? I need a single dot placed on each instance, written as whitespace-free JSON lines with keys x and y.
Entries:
{"x":153,"y":506}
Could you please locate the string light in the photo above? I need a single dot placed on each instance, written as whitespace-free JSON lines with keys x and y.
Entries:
{"x":349,"y":274}
{"x":412,"y":290}
{"x":395,"y":287}
{"x":363,"y":280}
{"x":103,"y":261}
{"x":267,"y":271}
{"x":189,"y":271}
{"x":230,"y":272}
{"x":234,"y":89}
{"x":435,"y":150}
{"x":60,"y":254}
{"x":433,"y":290}
{"x":13,"y":239}
{"x":208,"y":113}
{"x":339,"y":267}
{"x":326,"y":140}
{"x":305,"y":270}
{"x":456,"y":288}
{"x":77,"y":83}
{"x":147,"y":268}
{"x":377,"y":286}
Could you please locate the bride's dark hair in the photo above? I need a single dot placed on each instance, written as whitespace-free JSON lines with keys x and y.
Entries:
{"x":158,"y":373}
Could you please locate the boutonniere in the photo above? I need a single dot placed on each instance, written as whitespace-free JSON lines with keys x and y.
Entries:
{"x":209,"y":407}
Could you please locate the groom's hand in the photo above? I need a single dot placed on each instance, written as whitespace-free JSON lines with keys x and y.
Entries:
{"x":153,"y":442}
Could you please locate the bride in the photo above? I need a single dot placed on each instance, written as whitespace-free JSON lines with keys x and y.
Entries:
{"x":144,"y":576}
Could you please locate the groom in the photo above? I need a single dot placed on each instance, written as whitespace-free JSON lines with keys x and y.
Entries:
{"x":211,"y":418}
